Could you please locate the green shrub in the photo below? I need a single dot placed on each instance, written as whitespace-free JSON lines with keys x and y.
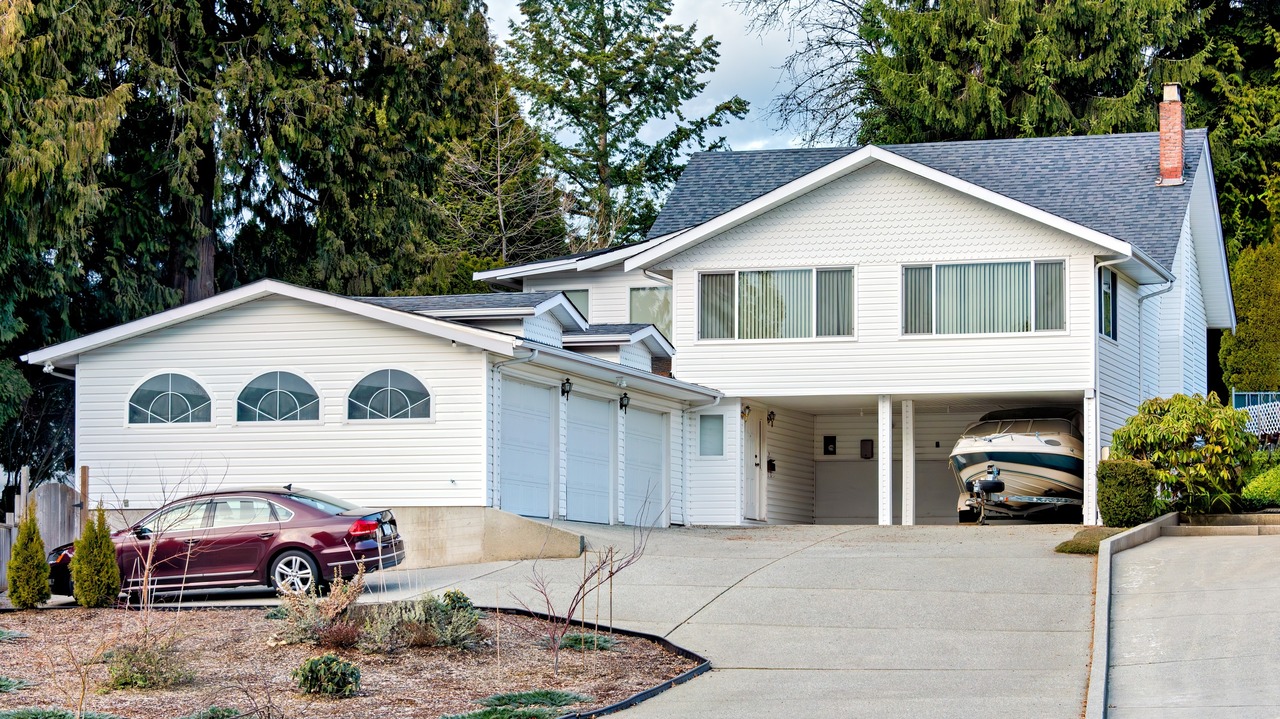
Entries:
{"x":214,"y":713}
{"x":277,"y":613}
{"x":9,"y":685}
{"x":10,"y":635}
{"x":1127,"y":492}
{"x":328,"y":674}
{"x":537,"y":697}
{"x":147,"y":665}
{"x":1087,"y":540}
{"x":507,"y":713}
{"x":50,"y":713}
{"x":1264,"y":491}
{"x":585,"y":640}
{"x":1260,"y":462}
{"x":95,"y":576}
{"x":28,"y":573}
{"x":1198,"y":442}
{"x":457,"y":601}
{"x":426,"y":622}
{"x":309,"y":616}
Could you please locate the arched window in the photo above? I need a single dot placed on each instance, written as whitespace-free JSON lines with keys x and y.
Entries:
{"x":169,"y":399}
{"x":278,"y":397}
{"x":389,"y":394}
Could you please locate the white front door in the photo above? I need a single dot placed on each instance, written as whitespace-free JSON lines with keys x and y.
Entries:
{"x":589,"y":458}
{"x":753,"y":471}
{"x":645,"y":499}
{"x":524,"y":484}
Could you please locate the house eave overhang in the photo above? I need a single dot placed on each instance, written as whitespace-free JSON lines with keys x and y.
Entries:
{"x":606,"y":371}
{"x":513,"y":276}
{"x":678,"y":242}
{"x":650,"y":337}
{"x":66,"y":354}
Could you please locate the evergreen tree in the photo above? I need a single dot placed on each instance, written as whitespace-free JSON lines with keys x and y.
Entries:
{"x":597,"y":73}
{"x":937,"y":70}
{"x":28,"y":571}
{"x":95,"y":575}
{"x":1250,"y":356}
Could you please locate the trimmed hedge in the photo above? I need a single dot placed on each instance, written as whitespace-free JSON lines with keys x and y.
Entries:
{"x":1264,"y":491}
{"x":1127,"y":492}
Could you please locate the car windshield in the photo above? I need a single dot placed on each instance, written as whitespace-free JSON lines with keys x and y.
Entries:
{"x":322,"y":502}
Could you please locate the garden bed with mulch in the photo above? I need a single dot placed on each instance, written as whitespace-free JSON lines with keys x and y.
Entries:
{"x":233,"y":662}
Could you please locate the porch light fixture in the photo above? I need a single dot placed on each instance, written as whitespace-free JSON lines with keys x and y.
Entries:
{"x":770,"y":417}
{"x":566,"y":387}
{"x":623,"y":402}
{"x":746,"y":411}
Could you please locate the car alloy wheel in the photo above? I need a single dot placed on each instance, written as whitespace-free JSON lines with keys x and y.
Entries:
{"x":293,"y":572}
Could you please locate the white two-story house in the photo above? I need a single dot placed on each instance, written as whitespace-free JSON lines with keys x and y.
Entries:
{"x":859,"y":307}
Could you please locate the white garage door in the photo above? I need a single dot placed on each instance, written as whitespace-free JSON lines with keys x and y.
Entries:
{"x":589,"y":449}
{"x":525,"y":462}
{"x":645,"y":497}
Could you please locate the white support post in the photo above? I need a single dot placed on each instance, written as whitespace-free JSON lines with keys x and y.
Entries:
{"x":886,"y":459}
{"x":908,"y":462}
{"x":1092,"y":443}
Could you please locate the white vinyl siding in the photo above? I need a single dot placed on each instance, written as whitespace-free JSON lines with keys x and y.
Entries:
{"x":880,"y":219}
{"x":544,"y":328}
{"x":637,"y":356}
{"x":714,"y":493}
{"x":437,"y":462}
{"x":789,"y":443}
{"x":1118,"y":387}
{"x":1183,"y":326}
{"x":610,"y":290}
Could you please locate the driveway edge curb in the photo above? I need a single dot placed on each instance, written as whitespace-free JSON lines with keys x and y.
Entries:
{"x":1096,"y":699}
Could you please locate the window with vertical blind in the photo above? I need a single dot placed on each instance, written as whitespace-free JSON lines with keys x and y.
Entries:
{"x":776,"y":304}
{"x":984,"y":298}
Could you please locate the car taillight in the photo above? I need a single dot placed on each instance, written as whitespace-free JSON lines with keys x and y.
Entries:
{"x":361,"y":527}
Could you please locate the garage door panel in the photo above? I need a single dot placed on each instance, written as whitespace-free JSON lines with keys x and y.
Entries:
{"x":645,"y":495}
{"x":525,"y":462}
{"x":589,"y":459}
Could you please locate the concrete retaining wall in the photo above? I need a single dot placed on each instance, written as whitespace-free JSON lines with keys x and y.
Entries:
{"x":1096,"y":700}
{"x":438,"y":536}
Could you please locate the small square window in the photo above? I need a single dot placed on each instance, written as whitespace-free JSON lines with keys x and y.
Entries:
{"x":711,"y":435}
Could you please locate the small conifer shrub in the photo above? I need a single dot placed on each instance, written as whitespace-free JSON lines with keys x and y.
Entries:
{"x":28,"y":573}
{"x":95,"y":576}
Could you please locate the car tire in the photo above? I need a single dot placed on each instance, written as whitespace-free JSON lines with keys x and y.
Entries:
{"x":294,"y":571}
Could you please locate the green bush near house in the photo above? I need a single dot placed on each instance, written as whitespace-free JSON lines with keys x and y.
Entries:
{"x":1260,"y":462}
{"x":1263,"y":492}
{"x":1127,"y":492}
{"x":95,"y":576}
{"x":28,"y":572}
{"x":328,"y":674}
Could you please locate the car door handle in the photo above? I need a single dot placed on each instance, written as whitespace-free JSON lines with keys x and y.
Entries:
{"x":266,"y":535}
{"x":190,"y":541}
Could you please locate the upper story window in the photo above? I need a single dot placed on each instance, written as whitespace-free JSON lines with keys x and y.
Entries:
{"x":983,"y":298}
{"x":776,"y":304}
{"x":170,"y":399}
{"x":1107,"y":302}
{"x":278,"y":397}
{"x":581,"y":299}
{"x":652,"y":305}
{"x":389,"y":394}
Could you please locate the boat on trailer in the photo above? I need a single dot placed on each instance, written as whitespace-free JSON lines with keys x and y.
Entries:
{"x":1019,"y":462}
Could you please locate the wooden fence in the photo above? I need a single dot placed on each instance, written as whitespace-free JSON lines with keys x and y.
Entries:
{"x":58,"y":515}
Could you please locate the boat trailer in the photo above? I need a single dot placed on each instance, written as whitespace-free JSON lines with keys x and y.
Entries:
{"x":987,"y":495}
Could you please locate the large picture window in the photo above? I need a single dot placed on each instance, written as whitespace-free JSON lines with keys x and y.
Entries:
{"x":389,"y":394}
{"x":277,"y":397}
{"x":652,"y":305}
{"x":983,"y":298}
{"x":776,"y":304}
{"x":170,"y":399}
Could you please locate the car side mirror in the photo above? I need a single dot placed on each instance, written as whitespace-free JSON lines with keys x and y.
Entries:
{"x":141,"y":532}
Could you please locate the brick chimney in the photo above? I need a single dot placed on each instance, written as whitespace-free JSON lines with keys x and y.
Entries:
{"x":1173,"y":123}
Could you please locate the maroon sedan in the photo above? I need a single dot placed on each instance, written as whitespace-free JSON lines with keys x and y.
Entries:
{"x":282,"y":537}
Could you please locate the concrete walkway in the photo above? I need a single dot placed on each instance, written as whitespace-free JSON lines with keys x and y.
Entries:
{"x":1195,"y":629}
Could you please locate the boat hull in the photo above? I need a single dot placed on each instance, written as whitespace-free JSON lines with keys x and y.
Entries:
{"x":1027,"y":465}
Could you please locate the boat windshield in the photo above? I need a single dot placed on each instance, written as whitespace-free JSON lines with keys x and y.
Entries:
{"x":1022,"y":426}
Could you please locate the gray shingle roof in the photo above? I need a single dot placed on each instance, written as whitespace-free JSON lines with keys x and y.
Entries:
{"x":1103,"y":182}
{"x":443,"y":303}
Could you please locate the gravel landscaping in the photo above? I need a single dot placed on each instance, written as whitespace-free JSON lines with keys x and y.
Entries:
{"x":232,"y":661}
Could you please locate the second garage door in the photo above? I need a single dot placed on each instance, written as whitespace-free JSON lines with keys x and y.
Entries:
{"x":645,"y":496}
{"x":589,"y":459}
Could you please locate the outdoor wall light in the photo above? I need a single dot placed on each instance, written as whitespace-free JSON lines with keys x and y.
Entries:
{"x":566,"y":387}
{"x":746,"y":411}
{"x":770,"y":417}
{"x":623,"y":402}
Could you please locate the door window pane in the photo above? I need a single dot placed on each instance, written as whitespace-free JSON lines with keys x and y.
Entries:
{"x":180,"y":518}
{"x":775,"y":304}
{"x":652,"y":305}
{"x":917,"y":300}
{"x":711,"y":435}
{"x":715,"y":307}
{"x":239,"y":511}
{"x":835,"y":303}
{"x":1051,"y":312}
{"x":984,"y":298}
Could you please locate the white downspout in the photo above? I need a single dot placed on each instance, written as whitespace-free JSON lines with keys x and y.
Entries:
{"x":1141,"y":343}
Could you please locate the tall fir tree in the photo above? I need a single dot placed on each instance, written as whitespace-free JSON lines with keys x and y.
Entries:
{"x":598,"y":73}
{"x":937,"y":70}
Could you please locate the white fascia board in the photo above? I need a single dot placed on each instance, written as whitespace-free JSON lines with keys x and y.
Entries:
{"x":518,"y":271}
{"x":1219,"y":241}
{"x":650,"y":337}
{"x":604,"y":370}
{"x":1161,"y":274}
{"x":608,"y":259}
{"x":477,"y":313}
{"x":653,"y":338}
{"x":568,"y":315}
{"x":59,"y":354}
{"x":840,"y":168}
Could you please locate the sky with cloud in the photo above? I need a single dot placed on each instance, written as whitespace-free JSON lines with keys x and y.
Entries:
{"x":748,"y":67}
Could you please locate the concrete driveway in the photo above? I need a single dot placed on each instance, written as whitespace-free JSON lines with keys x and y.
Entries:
{"x":1194,"y":628}
{"x":844,"y":621}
